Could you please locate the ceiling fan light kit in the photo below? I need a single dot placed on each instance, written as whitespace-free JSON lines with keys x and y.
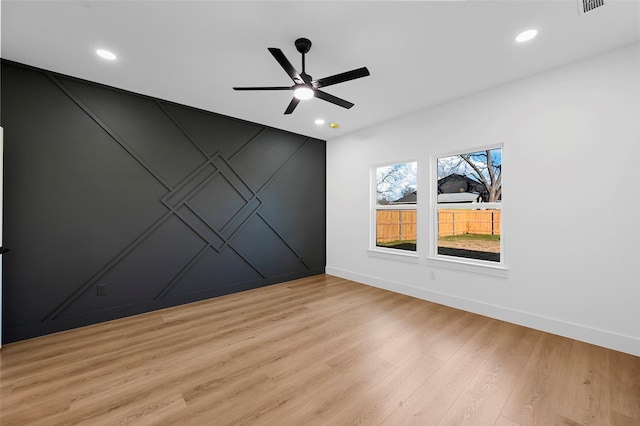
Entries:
{"x":304,"y":86}
{"x":303,"y":93}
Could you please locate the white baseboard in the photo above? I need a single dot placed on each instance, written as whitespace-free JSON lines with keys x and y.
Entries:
{"x":607,"y":339}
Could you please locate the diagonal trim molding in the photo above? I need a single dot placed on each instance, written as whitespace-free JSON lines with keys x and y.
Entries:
{"x":226,"y":183}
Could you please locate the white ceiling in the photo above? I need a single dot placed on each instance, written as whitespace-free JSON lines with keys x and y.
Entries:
{"x":419,"y":54}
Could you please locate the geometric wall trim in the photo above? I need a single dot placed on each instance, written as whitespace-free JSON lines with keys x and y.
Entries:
{"x":118,"y":203}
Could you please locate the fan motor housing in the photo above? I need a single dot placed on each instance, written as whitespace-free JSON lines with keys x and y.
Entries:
{"x":303,"y":45}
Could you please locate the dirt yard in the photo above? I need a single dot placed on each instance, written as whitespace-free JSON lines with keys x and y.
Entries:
{"x":477,"y":245}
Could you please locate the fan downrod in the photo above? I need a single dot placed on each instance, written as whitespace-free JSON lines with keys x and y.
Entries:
{"x":303,"y":45}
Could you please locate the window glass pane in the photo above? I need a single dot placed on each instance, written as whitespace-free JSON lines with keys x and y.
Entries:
{"x":396,"y":229}
{"x":469,"y":233}
{"x":470,"y":177}
{"x":396,"y":185}
{"x":465,"y":228}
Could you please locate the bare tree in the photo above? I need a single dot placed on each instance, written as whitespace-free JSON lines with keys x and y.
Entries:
{"x":391,"y":183}
{"x":487,"y":170}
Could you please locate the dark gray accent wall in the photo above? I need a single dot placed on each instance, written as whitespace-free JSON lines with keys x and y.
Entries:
{"x":153,"y":203}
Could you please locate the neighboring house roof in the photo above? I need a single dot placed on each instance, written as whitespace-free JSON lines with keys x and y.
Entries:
{"x":455,"y":183}
{"x":408,"y":199}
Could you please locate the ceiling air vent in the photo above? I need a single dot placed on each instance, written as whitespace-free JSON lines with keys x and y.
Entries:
{"x":585,"y":6}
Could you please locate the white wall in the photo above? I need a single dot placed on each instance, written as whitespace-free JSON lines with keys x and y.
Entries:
{"x":571,"y":209}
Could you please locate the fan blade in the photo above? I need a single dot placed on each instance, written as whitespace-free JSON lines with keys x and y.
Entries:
{"x":285,"y":64}
{"x":262,"y":88}
{"x":292,"y":105}
{"x":345,"y":76}
{"x":333,"y":99}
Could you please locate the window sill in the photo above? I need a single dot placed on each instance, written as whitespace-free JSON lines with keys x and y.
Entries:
{"x":499,"y":271}
{"x":391,"y":254}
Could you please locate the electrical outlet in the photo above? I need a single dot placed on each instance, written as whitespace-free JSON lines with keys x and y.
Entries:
{"x":432,"y":275}
{"x":102,"y":289}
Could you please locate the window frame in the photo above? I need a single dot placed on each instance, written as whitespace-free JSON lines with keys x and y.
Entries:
{"x":384,"y":252}
{"x":463,"y":263}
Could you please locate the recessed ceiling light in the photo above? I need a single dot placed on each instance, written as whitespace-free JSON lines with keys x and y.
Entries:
{"x":526,"y":35}
{"x":319,"y":121}
{"x":334,"y":125}
{"x":106,"y":54}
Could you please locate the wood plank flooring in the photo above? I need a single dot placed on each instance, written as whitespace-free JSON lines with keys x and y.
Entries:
{"x":316,"y":351}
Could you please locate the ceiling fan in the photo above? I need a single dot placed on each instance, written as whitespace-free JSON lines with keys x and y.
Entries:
{"x":304,"y":86}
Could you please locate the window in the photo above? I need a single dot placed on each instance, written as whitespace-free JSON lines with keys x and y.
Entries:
{"x":469,"y":205}
{"x":395,"y":206}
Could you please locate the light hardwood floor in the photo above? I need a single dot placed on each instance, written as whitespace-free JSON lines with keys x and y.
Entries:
{"x":316,"y":351}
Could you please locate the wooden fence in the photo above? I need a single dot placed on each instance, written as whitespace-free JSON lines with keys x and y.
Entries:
{"x":478,"y":222}
{"x":396,"y":225}
{"x":401,"y":225}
